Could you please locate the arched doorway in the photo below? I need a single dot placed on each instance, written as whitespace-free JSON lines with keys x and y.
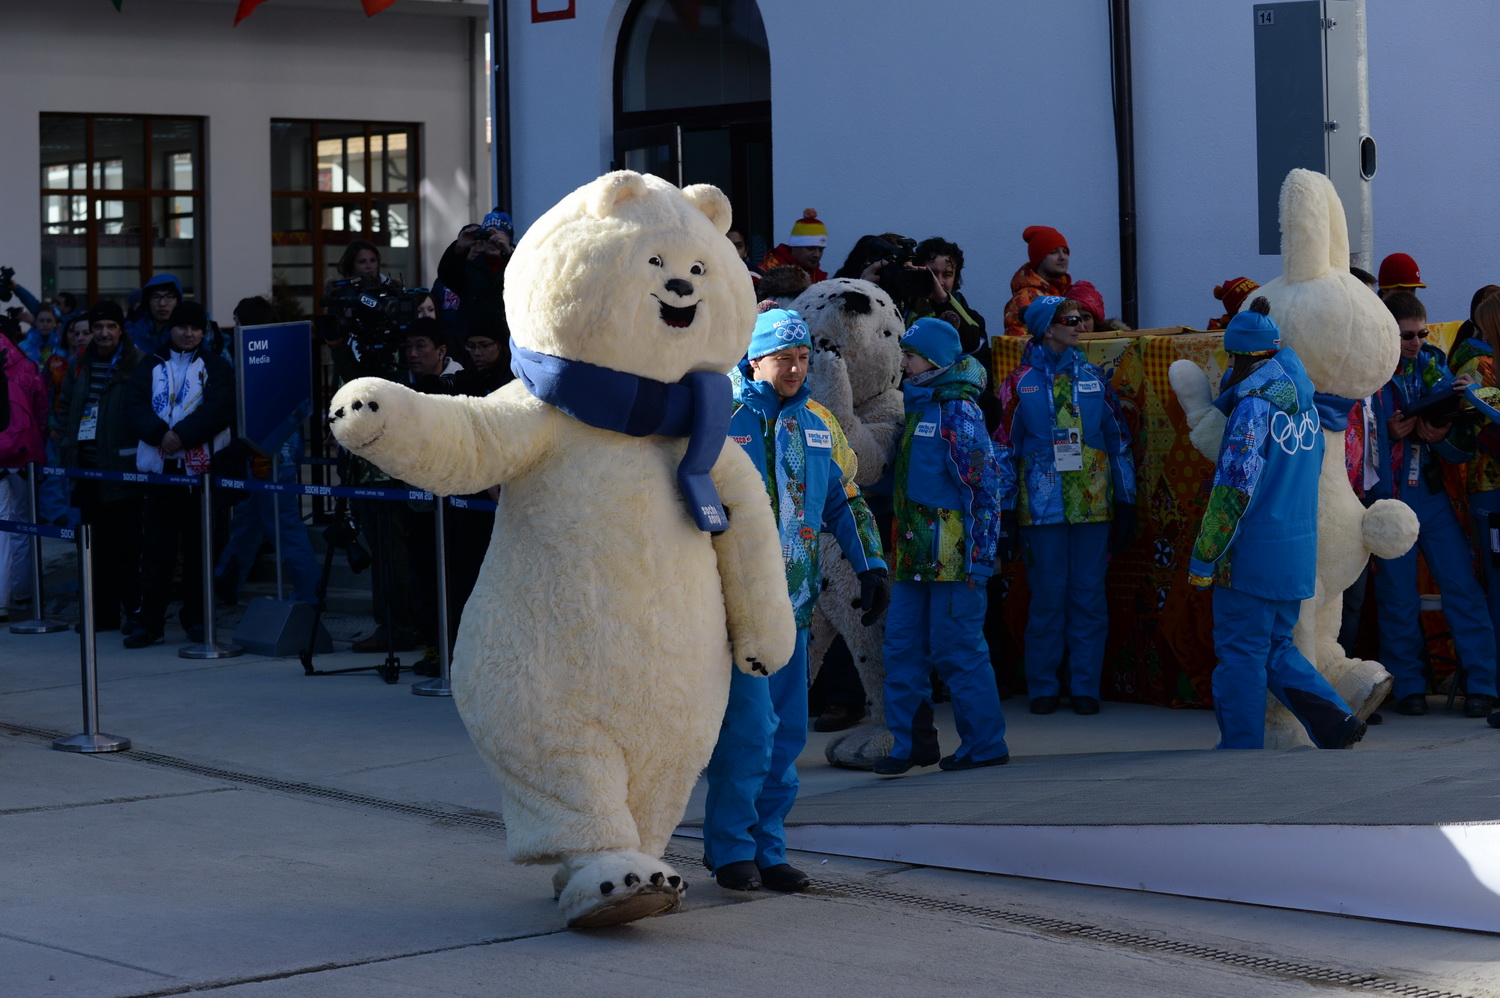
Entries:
{"x":693,"y":102}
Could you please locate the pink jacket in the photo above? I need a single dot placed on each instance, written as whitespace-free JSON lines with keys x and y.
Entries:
{"x":24,"y":440}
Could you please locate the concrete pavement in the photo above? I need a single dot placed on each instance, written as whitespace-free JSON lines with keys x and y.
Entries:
{"x":272,"y":834}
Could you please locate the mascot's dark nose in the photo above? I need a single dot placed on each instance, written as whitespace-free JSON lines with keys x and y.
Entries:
{"x":679,"y":287}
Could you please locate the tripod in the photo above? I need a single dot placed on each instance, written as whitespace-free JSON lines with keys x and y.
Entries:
{"x":343,"y":533}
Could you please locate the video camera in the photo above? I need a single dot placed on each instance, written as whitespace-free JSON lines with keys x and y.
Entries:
{"x":7,"y":274}
{"x":897,"y":279}
{"x":371,"y":315}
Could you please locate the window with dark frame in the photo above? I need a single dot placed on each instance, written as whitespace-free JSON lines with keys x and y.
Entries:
{"x":122,"y":199}
{"x":336,"y":181}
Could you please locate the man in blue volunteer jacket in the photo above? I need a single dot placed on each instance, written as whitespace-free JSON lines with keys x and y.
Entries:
{"x":809,"y":471}
{"x":1259,"y":542}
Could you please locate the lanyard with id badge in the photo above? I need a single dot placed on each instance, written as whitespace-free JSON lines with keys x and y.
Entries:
{"x":1067,"y":441}
{"x":88,"y":427}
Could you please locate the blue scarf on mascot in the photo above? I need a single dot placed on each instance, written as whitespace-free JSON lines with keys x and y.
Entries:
{"x":697,"y":407}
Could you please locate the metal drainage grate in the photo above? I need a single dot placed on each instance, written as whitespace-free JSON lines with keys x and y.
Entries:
{"x":1079,"y":930}
{"x":1055,"y":926}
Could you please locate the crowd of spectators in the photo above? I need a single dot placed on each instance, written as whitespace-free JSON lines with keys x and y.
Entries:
{"x":152,"y":390}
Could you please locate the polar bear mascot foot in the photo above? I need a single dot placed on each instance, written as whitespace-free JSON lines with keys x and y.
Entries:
{"x":598,"y":889}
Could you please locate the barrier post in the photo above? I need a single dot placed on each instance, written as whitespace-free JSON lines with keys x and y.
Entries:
{"x":276,"y":519}
{"x":38,"y":624}
{"x":209,"y":648}
{"x":441,"y":686}
{"x":91,"y":739}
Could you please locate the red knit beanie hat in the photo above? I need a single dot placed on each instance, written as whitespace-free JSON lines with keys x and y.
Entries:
{"x":1041,"y":240}
{"x":1233,"y":293}
{"x":1399,"y":271}
{"x":1085,"y":294}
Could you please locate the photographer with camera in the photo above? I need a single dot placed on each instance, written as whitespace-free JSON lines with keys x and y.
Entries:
{"x":365,"y":330}
{"x":473,"y":268}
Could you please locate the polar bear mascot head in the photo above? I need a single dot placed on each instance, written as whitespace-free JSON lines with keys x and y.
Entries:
{"x":657,"y":266}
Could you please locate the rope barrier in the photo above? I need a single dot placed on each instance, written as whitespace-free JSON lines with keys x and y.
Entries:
{"x":261,"y":485}
{"x":38,"y":530}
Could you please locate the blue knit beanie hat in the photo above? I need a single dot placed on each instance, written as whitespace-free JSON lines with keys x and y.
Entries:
{"x":498,"y":219}
{"x":934,"y":340}
{"x":778,"y":329}
{"x":1252,"y":330}
{"x":1039,"y":315}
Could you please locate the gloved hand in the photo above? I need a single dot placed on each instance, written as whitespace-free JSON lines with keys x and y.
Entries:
{"x":1123,"y":534}
{"x":874,"y":597}
{"x":1009,"y":545}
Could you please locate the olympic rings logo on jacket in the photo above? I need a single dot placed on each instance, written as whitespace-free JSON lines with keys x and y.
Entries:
{"x":1295,"y":434}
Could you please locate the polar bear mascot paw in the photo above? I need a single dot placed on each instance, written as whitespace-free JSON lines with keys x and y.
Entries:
{"x":616,"y":887}
{"x":593,"y":659}
{"x":856,"y":375}
{"x":1195,"y":394}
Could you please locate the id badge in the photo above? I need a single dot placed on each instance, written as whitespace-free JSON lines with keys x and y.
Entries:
{"x":1067,"y":448}
{"x":1414,"y":466}
{"x":88,"y":427}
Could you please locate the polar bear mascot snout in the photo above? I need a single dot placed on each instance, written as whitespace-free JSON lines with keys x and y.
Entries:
{"x":1348,"y":341}
{"x":635,"y":560}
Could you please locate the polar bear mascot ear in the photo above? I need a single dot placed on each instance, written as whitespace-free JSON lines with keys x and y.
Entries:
{"x":1343,"y":333}
{"x":604,"y":196}
{"x":712,"y":202}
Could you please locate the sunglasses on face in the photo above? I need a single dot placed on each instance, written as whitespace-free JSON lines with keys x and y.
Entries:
{"x":1416,"y":336}
{"x":1068,"y":320}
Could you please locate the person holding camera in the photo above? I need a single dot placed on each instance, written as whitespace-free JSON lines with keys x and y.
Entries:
{"x":473,"y":268}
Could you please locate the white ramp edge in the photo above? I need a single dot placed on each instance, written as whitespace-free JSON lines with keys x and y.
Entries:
{"x":1366,"y":871}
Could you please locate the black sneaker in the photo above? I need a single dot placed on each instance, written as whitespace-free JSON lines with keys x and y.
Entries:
{"x":784,"y":877}
{"x":741,"y":876}
{"x":956,"y":763}
{"x":1350,"y":730}
{"x":1043,"y":705}
{"x":1414,"y":705}
{"x":1478,"y":705}
{"x":893,"y":765}
{"x":140,"y":638}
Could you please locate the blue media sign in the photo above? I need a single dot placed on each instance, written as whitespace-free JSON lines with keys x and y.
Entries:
{"x":273,"y":378}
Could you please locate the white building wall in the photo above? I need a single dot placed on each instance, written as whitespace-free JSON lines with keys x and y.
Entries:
{"x":973,"y":120}
{"x":174,"y":57}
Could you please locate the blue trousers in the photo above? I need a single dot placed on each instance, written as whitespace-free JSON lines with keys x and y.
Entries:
{"x":1446,"y":551}
{"x":940,"y":625}
{"x":1253,"y":640}
{"x":752,"y":776}
{"x":1484,"y":507}
{"x":1065,"y":570}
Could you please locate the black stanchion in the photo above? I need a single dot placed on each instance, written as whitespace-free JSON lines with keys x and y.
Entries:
{"x":209,"y":648}
{"x":38,"y":624}
{"x":91,"y":739}
{"x":440,"y":686}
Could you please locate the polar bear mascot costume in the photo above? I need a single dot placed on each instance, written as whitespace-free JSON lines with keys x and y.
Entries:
{"x":634,"y":560}
{"x":856,"y":373}
{"x":1348,"y":342}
